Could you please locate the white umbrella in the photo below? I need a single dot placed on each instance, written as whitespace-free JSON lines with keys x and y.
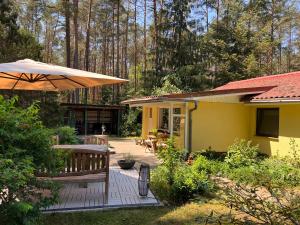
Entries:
{"x":28,"y":74}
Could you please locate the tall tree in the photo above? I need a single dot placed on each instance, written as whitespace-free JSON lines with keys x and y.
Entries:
{"x":75,"y":23}
{"x":68,"y":35}
{"x":87,"y":42}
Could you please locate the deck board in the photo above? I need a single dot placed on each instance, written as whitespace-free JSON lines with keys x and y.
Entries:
{"x":123,"y":192}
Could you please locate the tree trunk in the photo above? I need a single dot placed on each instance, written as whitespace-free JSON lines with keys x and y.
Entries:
{"x":113,"y":48}
{"x":67,"y":28}
{"x":75,"y":21}
{"x":272,"y":36}
{"x":218,"y":13}
{"x":135,"y":46}
{"x":289,"y":48}
{"x":118,"y":47}
{"x":87,"y":42}
{"x":145,"y":37}
{"x":207,"y":16}
{"x":155,"y":36}
{"x":126,"y":43}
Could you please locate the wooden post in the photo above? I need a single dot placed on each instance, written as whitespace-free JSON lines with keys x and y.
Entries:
{"x":85,"y":111}
{"x":107,"y":177}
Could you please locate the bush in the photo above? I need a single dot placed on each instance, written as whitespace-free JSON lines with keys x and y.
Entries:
{"x":279,"y":173}
{"x":67,"y":135}
{"x":241,"y":153}
{"x":131,"y":125}
{"x":176,"y":182}
{"x":25,"y":147}
{"x":212,"y":167}
{"x":264,"y":205}
{"x":187,"y":183}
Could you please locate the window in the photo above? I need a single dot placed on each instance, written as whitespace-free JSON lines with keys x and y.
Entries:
{"x":176,"y":121}
{"x":164,"y":119}
{"x":150,"y":113}
{"x":267,"y":122}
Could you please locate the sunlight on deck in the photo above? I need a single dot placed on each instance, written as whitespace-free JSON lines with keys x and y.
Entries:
{"x":123,"y":192}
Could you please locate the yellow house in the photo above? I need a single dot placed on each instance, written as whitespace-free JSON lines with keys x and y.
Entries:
{"x":265,"y":110}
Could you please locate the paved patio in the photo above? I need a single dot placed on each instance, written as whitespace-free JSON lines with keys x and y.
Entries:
{"x":124,"y":146}
{"x":123,"y":184}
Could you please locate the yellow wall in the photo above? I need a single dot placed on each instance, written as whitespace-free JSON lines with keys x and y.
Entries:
{"x":217,"y":125}
{"x":149,"y":124}
{"x":289,"y":127}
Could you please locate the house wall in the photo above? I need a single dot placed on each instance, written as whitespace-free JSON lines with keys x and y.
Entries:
{"x":289,"y":127}
{"x":149,"y":124}
{"x":216,"y":125}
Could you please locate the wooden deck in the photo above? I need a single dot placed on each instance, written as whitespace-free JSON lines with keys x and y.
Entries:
{"x":123,"y":192}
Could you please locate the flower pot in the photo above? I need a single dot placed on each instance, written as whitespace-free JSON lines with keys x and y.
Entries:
{"x":126,"y":164}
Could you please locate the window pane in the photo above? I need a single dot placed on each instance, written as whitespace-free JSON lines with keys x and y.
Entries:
{"x":267,"y":123}
{"x":176,"y":125}
{"x":177,"y":111}
{"x":164,"y":119}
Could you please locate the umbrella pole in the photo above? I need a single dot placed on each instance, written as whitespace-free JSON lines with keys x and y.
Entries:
{"x":85,"y":111}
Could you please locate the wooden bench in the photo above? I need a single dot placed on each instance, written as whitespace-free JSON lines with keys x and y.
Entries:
{"x":84,"y":164}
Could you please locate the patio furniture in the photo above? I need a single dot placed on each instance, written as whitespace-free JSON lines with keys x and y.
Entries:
{"x":150,"y":145}
{"x":85,"y":164}
{"x":139,"y":141}
{"x":55,"y":140}
{"x":96,"y":139}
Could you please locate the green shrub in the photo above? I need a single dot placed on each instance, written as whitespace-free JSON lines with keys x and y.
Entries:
{"x":213,"y":167}
{"x":171,"y":157}
{"x":241,"y":153}
{"x":187,"y":182}
{"x":176,"y":182}
{"x":294,"y":154}
{"x":213,"y":155}
{"x":67,"y":135}
{"x":273,"y":172}
{"x":245,"y":174}
{"x":130,"y":125}
{"x":279,"y":173}
{"x":25,"y":147}
{"x":159,"y":183}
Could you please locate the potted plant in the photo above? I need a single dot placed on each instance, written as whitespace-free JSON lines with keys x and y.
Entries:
{"x":126,"y":163}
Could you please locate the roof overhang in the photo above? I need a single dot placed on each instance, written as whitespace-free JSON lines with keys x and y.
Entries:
{"x":273,"y":101}
{"x":212,"y":95}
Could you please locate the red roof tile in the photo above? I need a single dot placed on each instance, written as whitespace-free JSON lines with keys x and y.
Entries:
{"x":285,"y":86}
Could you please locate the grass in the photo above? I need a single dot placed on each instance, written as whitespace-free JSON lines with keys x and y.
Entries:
{"x":189,"y":214}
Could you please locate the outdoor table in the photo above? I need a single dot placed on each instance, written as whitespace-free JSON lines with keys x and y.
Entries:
{"x":90,"y":148}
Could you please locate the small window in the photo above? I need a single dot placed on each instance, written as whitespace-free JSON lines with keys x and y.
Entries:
{"x":150,"y":113}
{"x":177,"y":111}
{"x":164,"y":119}
{"x":267,"y":122}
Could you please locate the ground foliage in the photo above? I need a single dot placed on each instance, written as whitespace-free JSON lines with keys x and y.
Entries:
{"x":25,"y":147}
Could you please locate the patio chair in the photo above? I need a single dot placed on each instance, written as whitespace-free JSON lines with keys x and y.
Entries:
{"x":139,"y":141}
{"x":150,"y":145}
